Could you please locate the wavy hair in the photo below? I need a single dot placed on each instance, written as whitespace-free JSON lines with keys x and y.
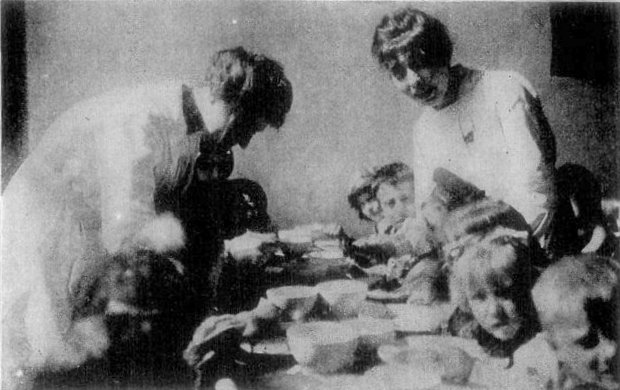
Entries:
{"x":422,"y":39}
{"x":254,"y":85}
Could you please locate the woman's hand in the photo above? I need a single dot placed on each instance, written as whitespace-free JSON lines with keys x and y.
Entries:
{"x":250,"y":246}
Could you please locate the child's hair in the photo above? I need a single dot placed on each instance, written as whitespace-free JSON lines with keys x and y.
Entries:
{"x":393,"y":173}
{"x":477,"y":219}
{"x":577,"y":288}
{"x":488,"y":244}
{"x":498,"y":261}
{"x":499,"y":258}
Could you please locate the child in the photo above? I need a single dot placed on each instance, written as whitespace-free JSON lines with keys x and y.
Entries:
{"x":576,"y":302}
{"x":492,"y":281}
{"x":403,"y":241}
{"x":393,"y":186}
{"x":491,"y":276}
{"x":395,"y":193}
{"x":362,"y":197}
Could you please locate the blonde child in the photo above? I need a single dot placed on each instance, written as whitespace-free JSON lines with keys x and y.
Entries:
{"x":489,"y":256}
{"x":576,"y":302}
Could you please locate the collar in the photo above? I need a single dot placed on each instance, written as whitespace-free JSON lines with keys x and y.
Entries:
{"x":456,"y":75}
{"x":193,"y":118}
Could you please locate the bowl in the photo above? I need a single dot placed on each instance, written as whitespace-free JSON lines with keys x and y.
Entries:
{"x":322,"y":346}
{"x":448,"y":363}
{"x":373,"y":332}
{"x":344,"y":296}
{"x":295,"y":301}
{"x":295,"y":242}
{"x":400,"y":377}
{"x":375,"y":310}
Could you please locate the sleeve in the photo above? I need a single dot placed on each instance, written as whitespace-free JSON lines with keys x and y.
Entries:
{"x":529,"y":149}
{"x":126,"y":180}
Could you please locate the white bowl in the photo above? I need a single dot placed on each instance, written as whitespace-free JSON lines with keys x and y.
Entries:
{"x":450,"y":364}
{"x":322,"y":346}
{"x":373,"y":332}
{"x":295,"y":242}
{"x":295,"y":301}
{"x":294,"y":236}
{"x":344,"y":296}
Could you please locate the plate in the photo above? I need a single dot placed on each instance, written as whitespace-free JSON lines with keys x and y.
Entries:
{"x":328,"y":244}
{"x":331,"y":254}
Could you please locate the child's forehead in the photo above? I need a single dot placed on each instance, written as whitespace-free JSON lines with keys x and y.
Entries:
{"x":490,"y":269}
{"x":385,"y":188}
{"x":388,"y":186}
{"x":406,"y":185}
{"x":490,"y":280}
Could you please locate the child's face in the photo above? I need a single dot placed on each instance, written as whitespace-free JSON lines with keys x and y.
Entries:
{"x":370,"y":207}
{"x":585,"y":350}
{"x":495,"y":309}
{"x":396,"y":201}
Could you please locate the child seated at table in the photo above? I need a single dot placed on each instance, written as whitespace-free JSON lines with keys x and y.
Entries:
{"x":362,"y":197}
{"x":576,"y":302}
{"x":395,"y":193}
{"x":398,"y":231}
{"x":402,"y":240}
{"x":491,"y":278}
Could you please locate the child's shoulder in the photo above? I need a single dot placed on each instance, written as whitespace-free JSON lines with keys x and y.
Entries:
{"x":535,"y":361}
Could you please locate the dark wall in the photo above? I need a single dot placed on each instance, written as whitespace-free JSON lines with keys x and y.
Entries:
{"x":14,"y":93}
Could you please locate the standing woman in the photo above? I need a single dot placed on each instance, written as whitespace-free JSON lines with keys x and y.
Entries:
{"x":487,"y":127}
{"x":108,"y":178}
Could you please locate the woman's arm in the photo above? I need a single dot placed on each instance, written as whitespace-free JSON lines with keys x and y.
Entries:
{"x":530,"y":152}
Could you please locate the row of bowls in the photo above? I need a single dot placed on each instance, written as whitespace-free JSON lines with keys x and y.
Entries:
{"x":329,"y":346}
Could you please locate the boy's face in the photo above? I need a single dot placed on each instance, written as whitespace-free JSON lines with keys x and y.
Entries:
{"x":496,"y":311}
{"x":370,"y":207}
{"x":397,"y":201}
{"x":584,"y":350}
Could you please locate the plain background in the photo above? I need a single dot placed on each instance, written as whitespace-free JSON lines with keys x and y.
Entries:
{"x":345,"y":113}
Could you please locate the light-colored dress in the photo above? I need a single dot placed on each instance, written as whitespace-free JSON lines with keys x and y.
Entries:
{"x":494,"y":136}
{"x":103,"y":178}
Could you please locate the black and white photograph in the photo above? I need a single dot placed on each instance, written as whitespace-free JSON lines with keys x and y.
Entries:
{"x":310,"y":195}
